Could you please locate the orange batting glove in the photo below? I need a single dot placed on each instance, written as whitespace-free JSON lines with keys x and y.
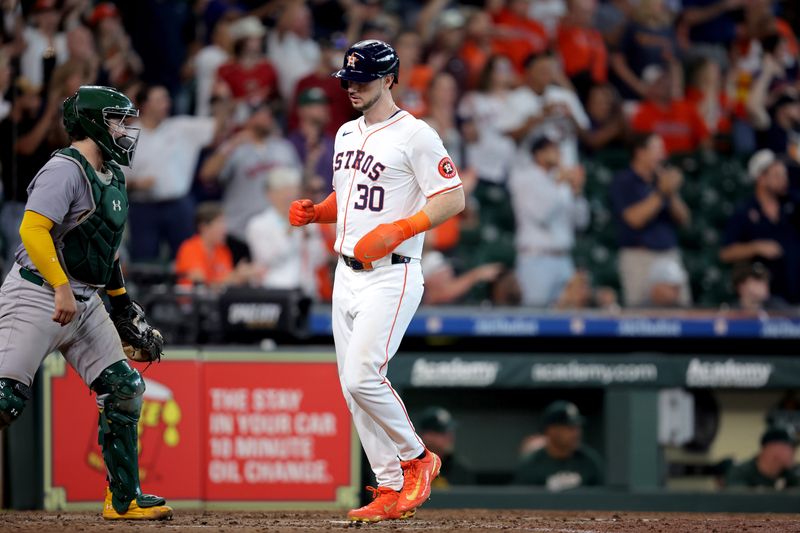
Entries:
{"x":304,"y":211}
{"x":381,"y":241}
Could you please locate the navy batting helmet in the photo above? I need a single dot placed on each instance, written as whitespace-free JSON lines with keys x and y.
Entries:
{"x":367,"y":61}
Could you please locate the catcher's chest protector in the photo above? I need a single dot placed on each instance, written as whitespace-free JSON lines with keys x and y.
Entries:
{"x":90,"y":247}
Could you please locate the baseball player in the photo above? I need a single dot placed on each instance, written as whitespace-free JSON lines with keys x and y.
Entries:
{"x":72,"y":227}
{"x":393,"y":180}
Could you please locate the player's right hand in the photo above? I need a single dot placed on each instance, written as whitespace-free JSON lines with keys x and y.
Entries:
{"x":302,"y":212}
{"x":66,"y":307}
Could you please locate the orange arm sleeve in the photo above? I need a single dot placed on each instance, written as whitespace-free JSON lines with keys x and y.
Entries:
{"x":326,"y":210}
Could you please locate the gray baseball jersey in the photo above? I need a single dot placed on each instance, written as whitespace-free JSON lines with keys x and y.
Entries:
{"x":244,"y":176}
{"x":61,"y":193}
{"x":90,"y":343}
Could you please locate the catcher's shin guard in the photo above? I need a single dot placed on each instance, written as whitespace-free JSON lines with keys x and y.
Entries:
{"x":119,"y":388}
{"x":13,"y":396}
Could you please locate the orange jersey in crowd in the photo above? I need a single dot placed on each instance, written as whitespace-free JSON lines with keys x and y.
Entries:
{"x":583,"y":49}
{"x":475,"y":57}
{"x":679,"y":123}
{"x":412,"y":96}
{"x":193,"y":256}
{"x":724,"y":123}
{"x":523,"y":37}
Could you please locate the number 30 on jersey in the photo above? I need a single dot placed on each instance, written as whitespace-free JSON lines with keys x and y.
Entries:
{"x":369,"y":197}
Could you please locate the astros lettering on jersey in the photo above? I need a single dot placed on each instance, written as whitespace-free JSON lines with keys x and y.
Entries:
{"x":386,"y":172}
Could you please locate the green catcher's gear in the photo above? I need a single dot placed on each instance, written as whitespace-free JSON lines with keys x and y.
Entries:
{"x":90,"y":248}
{"x":13,"y":396}
{"x":120,"y":389}
{"x":90,"y":111}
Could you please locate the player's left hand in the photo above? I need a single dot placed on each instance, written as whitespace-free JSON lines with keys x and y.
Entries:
{"x":141,"y":342}
{"x":379,"y":242}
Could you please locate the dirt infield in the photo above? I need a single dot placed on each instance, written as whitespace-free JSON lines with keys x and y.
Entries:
{"x":429,"y":520}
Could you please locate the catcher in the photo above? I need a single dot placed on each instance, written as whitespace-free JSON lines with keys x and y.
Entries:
{"x":72,"y":227}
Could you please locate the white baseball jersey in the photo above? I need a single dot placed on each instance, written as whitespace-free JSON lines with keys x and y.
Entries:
{"x":381,"y":173}
{"x":386,"y":172}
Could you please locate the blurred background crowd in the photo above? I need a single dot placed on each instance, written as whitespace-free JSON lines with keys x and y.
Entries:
{"x":615,"y":153}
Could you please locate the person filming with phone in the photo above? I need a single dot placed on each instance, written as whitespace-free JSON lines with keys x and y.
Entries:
{"x":648,"y":210}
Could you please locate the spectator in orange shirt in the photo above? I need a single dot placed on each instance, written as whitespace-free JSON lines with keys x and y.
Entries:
{"x":205,"y":258}
{"x":707,"y":94}
{"x":478,"y":46}
{"x":520,"y":36}
{"x":414,"y":76}
{"x":676,"y":121}
{"x":583,"y":52}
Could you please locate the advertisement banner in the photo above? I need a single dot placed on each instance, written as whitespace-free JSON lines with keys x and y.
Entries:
{"x":239,"y":430}
{"x":277,"y":432}
{"x":520,"y":371}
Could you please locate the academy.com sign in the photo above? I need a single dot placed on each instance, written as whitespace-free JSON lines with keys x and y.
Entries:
{"x":454,"y":372}
{"x":729,"y":373}
{"x":607,"y":374}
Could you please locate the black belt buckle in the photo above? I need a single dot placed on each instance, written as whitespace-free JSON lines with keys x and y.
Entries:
{"x":354,"y":263}
{"x":358,"y":266}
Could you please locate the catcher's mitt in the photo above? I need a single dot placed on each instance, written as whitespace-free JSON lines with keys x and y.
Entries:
{"x":141,"y":342}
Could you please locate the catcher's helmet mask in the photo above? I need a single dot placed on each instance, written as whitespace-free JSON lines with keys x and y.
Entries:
{"x":368,"y":61}
{"x":100,"y":113}
{"x":124,"y":136}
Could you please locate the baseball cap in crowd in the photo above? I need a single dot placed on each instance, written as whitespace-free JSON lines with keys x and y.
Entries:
{"x":103,"y":10}
{"x":562,"y":413}
{"x":787,"y":97}
{"x":437,"y":419}
{"x":541,"y":142}
{"x":778,"y":434}
{"x":247,"y":27}
{"x":45,"y":5}
{"x":760,"y":162}
{"x":281,"y":177}
{"x":451,"y":19}
{"x":312,"y":95}
{"x":744,"y":271}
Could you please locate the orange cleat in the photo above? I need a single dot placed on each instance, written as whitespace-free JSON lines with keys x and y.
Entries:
{"x":382,"y":507}
{"x":418,"y":475}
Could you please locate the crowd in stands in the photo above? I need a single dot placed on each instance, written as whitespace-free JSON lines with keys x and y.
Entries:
{"x":635,"y":153}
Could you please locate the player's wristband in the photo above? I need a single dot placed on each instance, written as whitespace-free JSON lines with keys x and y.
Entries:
{"x":115,"y":289}
{"x":325,"y":212}
{"x":416,"y":223}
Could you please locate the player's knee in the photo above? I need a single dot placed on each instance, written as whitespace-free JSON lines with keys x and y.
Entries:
{"x":120,"y":389}
{"x":359,"y":386}
{"x":13,"y":397}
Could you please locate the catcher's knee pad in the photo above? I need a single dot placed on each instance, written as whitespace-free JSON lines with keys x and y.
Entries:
{"x":13,"y":396}
{"x":119,"y":390}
